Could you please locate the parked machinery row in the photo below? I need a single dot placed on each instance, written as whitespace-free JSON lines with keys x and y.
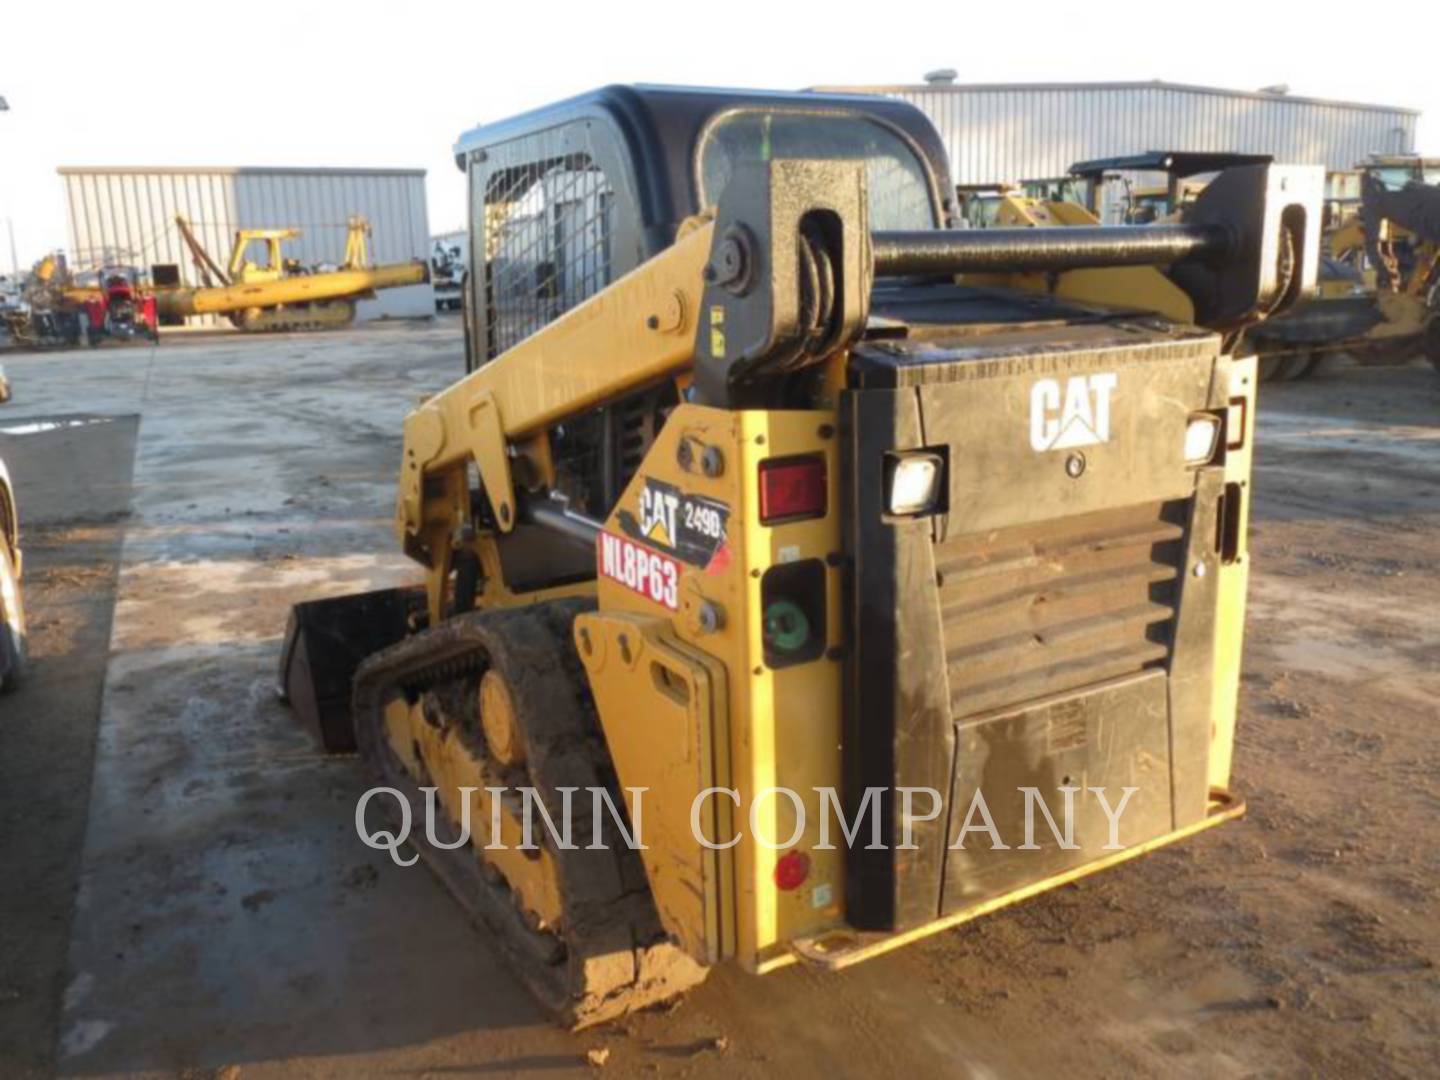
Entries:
{"x":260,"y":289}
{"x":55,"y":307}
{"x":1379,"y":275}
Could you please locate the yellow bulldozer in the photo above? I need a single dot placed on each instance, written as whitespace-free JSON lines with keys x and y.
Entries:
{"x":271,"y":292}
{"x":802,"y":574}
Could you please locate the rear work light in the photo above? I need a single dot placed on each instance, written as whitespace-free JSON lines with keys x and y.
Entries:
{"x":914,"y":483}
{"x":792,"y":489}
{"x":1202,"y":438}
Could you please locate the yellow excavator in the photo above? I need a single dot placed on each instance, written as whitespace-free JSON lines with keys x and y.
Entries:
{"x":786,"y":546}
{"x":272,"y":292}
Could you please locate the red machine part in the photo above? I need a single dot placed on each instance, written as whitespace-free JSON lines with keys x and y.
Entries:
{"x":95,"y":309}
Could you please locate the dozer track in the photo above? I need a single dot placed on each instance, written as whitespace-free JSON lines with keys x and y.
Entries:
{"x":578,"y":926}
{"x":323,"y":315}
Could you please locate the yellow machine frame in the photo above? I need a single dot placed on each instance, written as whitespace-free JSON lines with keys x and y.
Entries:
{"x":700,"y":729}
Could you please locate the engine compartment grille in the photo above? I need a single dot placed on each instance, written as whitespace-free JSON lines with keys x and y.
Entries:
{"x":1052,"y":607}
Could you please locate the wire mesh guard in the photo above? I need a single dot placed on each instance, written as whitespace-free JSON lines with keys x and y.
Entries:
{"x":547,"y":238}
{"x":554,"y":228}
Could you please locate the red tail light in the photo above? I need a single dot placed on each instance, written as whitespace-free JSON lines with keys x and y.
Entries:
{"x":792,"y":488}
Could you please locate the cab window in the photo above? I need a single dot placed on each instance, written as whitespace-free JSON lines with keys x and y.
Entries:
{"x":1395,"y":177}
{"x":899,"y":183}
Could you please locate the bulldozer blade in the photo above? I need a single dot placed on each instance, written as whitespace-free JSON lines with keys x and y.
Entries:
{"x":325,"y":641}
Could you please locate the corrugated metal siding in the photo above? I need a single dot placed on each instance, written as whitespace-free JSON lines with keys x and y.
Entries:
{"x":126,"y":216}
{"x":1003,"y":133}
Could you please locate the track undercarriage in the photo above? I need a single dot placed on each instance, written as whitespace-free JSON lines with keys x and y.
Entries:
{"x":321,"y":315}
{"x":497,"y":700}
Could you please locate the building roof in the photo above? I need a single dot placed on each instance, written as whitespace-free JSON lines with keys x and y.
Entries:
{"x":1152,"y":84}
{"x":230,"y":170}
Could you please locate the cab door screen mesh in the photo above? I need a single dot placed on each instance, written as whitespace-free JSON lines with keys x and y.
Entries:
{"x":548,"y":232}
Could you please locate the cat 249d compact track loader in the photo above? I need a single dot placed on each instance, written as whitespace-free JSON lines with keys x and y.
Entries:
{"x":764,"y":479}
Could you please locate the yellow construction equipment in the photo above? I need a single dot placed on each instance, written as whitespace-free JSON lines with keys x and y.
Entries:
{"x":825,"y":546}
{"x":1391,"y":246}
{"x":1378,"y":291}
{"x":275,"y":293}
{"x":1379,"y":284}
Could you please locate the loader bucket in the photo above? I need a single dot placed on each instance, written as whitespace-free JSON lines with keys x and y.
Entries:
{"x":325,"y":641}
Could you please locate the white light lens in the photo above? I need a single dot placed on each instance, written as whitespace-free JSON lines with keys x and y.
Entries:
{"x":1201,"y":436}
{"x":914,"y":484}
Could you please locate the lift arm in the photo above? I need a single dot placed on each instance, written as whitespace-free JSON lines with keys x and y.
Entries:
{"x":636,"y":332}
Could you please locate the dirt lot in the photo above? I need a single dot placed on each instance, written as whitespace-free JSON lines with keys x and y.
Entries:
{"x":183,"y":892}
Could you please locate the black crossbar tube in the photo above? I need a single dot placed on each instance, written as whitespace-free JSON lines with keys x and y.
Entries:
{"x":959,"y":251}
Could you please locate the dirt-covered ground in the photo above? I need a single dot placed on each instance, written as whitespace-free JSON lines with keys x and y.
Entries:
{"x":182,"y":891}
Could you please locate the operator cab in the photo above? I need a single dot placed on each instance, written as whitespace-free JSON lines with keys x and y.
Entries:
{"x":568,"y":198}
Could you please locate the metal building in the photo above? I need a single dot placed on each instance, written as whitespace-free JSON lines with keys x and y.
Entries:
{"x":125,"y":216}
{"x":1005,"y":132}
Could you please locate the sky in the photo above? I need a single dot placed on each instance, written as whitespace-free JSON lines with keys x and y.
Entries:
{"x":391,"y":84}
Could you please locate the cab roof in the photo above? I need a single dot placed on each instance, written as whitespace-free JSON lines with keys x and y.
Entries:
{"x":661,"y":128}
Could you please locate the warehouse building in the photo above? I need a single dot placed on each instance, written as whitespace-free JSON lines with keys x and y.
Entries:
{"x":996,"y":133}
{"x":125,"y":216}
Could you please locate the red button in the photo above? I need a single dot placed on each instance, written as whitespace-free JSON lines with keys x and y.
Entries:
{"x":791,"y":870}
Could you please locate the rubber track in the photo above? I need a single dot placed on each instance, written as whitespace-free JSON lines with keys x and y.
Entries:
{"x":609,"y":956}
